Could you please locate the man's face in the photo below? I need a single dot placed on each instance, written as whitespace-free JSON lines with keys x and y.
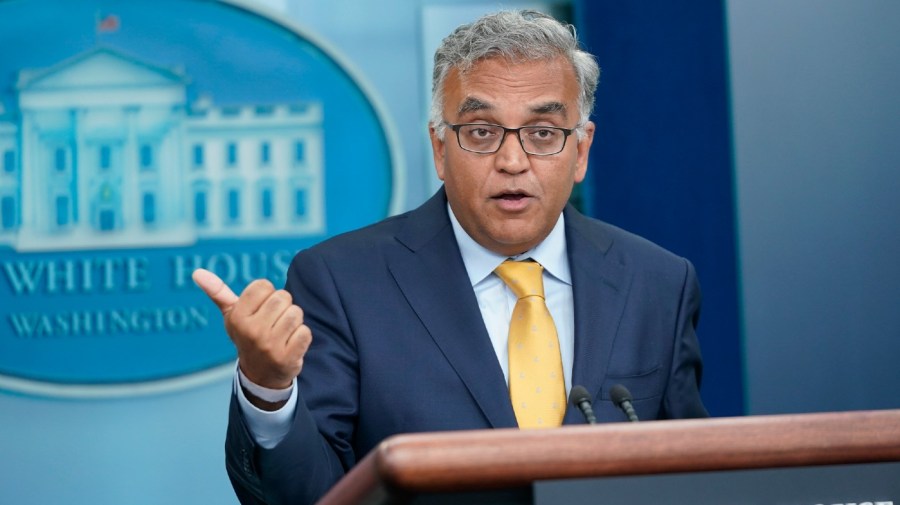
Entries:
{"x":509,"y":201}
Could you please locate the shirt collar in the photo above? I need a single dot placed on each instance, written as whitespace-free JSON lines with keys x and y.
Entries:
{"x":480,"y":262}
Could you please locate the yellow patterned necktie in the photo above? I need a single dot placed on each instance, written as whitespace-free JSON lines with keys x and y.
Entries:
{"x":536,"y":385}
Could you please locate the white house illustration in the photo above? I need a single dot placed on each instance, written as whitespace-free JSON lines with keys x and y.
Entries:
{"x":104,"y":151}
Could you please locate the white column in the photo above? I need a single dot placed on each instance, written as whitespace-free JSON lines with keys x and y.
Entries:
{"x":81,"y":172}
{"x":31,"y":173}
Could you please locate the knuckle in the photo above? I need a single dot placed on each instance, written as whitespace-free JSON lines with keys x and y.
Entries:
{"x":260,"y":286}
{"x":304,"y":338}
{"x":293,"y":316}
{"x":278,"y":299}
{"x":283,"y":295}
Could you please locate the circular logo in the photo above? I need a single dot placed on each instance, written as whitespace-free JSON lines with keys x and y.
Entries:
{"x":141,"y":140}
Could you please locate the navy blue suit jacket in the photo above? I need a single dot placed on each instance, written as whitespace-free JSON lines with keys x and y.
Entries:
{"x":399,"y":345}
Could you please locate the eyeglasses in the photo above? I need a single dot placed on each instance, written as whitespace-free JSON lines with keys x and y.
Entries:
{"x":483,"y":138}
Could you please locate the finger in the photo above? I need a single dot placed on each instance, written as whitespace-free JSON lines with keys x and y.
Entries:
{"x":274,"y":307}
{"x":298,"y":343}
{"x":288,"y":321}
{"x":254,"y":296}
{"x":215,"y":288}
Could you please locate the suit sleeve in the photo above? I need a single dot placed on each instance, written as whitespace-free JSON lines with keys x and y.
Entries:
{"x":317,"y":450}
{"x":682,"y":397}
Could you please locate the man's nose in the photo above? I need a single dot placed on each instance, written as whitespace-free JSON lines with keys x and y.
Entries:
{"x":511,"y":157}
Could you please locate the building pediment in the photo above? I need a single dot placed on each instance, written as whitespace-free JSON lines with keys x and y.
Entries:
{"x":98,"y":68}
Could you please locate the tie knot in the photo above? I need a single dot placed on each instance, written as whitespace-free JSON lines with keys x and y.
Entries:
{"x":524,"y":278}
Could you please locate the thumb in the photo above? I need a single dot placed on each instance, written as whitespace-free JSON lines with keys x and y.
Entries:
{"x":215,"y":288}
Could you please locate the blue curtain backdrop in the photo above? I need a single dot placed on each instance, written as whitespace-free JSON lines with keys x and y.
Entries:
{"x":662,"y":161}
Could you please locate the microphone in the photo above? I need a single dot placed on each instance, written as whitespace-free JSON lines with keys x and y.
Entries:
{"x":622,"y":398}
{"x":580,"y":398}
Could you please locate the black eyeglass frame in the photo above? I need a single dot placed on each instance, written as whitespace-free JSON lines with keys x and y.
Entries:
{"x":566,"y":132}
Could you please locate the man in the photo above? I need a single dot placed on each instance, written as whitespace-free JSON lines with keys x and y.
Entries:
{"x":415,"y":323}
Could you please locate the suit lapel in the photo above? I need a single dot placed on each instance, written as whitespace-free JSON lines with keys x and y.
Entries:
{"x":600,"y":285}
{"x":430,"y":272}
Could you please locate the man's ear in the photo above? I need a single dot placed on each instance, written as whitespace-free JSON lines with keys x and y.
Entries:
{"x":437,"y":151}
{"x":584,"y":148}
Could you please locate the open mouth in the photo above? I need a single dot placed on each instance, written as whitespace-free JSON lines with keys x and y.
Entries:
{"x":513,"y":196}
{"x":513,"y":201}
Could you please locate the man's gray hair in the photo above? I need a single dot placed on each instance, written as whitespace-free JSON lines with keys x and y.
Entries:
{"x":517,"y":36}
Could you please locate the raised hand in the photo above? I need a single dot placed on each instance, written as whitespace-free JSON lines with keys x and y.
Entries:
{"x":265,"y":326}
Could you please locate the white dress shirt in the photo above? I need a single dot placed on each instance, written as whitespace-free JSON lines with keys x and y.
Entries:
{"x":496,"y":302}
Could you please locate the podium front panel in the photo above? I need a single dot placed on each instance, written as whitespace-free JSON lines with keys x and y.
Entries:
{"x":858,"y":484}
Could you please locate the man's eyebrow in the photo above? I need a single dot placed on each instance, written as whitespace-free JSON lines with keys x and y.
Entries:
{"x":471,"y":104}
{"x":551,"y":108}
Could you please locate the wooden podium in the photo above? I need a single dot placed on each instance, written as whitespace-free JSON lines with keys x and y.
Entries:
{"x":504,"y":466}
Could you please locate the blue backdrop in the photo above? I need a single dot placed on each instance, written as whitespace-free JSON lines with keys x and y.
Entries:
{"x":813,"y":117}
{"x":661,"y":163}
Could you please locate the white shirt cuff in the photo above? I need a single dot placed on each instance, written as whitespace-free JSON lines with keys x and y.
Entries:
{"x":266,"y":428}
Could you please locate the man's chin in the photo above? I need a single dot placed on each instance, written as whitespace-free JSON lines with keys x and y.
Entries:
{"x":514,"y":243}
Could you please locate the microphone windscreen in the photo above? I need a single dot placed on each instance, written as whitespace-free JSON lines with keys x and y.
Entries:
{"x":579,"y":394}
{"x":619,"y":394}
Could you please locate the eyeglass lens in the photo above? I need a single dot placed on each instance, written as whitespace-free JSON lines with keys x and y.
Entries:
{"x":483,"y":138}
